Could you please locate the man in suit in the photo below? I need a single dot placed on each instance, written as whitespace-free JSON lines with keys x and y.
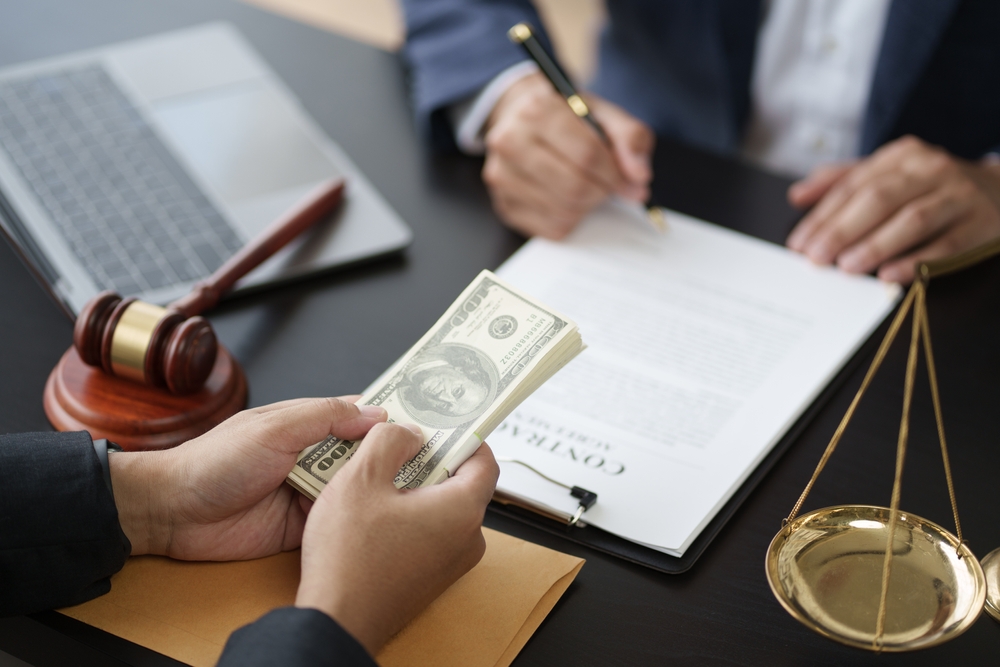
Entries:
{"x":892,"y":108}
{"x":71,"y":513}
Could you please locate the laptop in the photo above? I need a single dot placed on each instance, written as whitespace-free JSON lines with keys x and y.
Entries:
{"x":141,"y":167}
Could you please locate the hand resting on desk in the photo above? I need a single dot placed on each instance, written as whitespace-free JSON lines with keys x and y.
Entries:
{"x":906,"y":203}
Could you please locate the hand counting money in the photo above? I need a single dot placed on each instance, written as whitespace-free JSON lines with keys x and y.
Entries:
{"x":491,"y":349}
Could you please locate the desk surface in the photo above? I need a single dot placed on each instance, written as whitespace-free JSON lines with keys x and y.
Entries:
{"x":333,"y":334}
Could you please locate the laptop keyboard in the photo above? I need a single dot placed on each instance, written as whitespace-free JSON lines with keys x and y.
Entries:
{"x":125,"y":206}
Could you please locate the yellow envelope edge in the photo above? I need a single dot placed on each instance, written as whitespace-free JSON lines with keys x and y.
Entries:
{"x":475,"y":621}
{"x":147,"y":631}
{"x":187,"y":610}
{"x":538,"y":614}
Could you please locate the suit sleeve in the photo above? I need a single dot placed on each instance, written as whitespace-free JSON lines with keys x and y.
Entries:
{"x":294,"y":638}
{"x":453,"y":49}
{"x":60,"y":540}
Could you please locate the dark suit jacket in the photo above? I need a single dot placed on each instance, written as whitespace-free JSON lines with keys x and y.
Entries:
{"x":60,"y":542}
{"x":684,"y":67}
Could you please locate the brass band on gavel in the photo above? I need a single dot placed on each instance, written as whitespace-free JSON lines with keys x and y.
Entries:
{"x":131,"y":338}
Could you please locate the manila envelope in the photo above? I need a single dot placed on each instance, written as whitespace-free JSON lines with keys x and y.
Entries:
{"x":187,"y":610}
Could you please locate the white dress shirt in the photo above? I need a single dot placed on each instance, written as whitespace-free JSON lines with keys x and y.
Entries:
{"x":812,"y":73}
{"x":811,"y":78}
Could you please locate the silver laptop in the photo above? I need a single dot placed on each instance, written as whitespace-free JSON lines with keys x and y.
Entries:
{"x":141,"y":167}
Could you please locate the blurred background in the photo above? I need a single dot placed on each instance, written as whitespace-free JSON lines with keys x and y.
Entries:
{"x":572,"y":24}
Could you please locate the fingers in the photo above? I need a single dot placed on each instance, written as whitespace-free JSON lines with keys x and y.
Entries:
{"x":475,"y":479}
{"x":541,"y":181}
{"x":280,"y":405}
{"x":535,"y":187}
{"x":632,"y":143}
{"x":916,"y":222}
{"x":524,"y":205}
{"x":811,"y":235}
{"x":867,"y":209}
{"x":561,"y":131}
{"x":550,"y":208}
{"x":389,"y":446}
{"x":810,"y":189}
{"x":905,"y":201}
{"x":271,"y":407}
{"x":384,"y":451}
{"x":975,"y":229}
{"x":299,"y":423}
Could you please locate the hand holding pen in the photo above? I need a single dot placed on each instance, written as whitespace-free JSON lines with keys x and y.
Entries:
{"x":546,"y":168}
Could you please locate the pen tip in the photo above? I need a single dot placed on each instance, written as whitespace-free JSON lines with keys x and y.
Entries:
{"x":657,"y":217}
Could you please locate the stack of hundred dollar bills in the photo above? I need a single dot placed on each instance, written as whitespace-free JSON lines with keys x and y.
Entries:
{"x":492,"y":348}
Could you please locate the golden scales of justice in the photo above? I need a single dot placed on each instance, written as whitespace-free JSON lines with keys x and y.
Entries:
{"x":831,"y":568}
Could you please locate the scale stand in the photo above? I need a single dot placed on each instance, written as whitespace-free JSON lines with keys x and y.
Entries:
{"x":832,"y":569}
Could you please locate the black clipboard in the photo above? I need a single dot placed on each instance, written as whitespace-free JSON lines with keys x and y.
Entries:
{"x":754,"y":202}
{"x":609,"y":543}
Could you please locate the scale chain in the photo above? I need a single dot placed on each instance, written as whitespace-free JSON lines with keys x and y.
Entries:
{"x":932,"y":375}
{"x":897,"y":484}
{"x":883,"y":349}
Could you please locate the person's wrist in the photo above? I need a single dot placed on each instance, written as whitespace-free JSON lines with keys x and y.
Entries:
{"x":990,"y":170}
{"x":469,"y":117}
{"x":326,"y":597}
{"x":526,"y":85}
{"x":140,"y":492}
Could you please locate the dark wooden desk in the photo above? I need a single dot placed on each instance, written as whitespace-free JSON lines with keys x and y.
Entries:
{"x":334,"y":334}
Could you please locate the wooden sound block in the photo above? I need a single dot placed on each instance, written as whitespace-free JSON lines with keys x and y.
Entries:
{"x":79,"y":397}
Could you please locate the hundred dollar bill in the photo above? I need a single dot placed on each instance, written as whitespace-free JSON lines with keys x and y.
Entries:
{"x":490,"y":350}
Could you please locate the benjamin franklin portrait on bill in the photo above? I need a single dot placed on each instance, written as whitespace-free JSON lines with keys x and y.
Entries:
{"x":448,"y":385}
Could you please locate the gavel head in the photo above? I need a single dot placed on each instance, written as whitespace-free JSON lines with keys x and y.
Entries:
{"x":145,"y":343}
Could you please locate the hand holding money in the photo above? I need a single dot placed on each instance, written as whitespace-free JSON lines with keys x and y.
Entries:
{"x":222,"y":495}
{"x":490,"y":350}
{"x":414,"y":544}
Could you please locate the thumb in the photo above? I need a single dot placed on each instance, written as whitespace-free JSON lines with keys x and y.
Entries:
{"x":291,"y":426}
{"x":474,"y":481}
{"x":384,"y":451}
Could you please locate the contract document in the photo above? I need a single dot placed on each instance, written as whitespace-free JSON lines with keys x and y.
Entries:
{"x":705,"y":346}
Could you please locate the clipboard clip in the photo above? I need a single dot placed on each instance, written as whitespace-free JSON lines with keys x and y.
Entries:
{"x":586,"y":498}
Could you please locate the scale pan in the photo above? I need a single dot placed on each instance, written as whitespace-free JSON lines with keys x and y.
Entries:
{"x":826,"y":569}
{"x":991,"y":568}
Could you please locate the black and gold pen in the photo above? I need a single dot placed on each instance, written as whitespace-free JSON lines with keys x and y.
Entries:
{"x":522,"y":34}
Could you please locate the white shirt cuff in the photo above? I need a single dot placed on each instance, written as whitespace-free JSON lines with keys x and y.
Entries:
{"x":468,"y":117}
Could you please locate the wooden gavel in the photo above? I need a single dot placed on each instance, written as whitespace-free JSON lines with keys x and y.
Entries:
{"x":173,"y":347}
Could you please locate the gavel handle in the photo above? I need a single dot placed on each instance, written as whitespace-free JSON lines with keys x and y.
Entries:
{"x":314,"y":207}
